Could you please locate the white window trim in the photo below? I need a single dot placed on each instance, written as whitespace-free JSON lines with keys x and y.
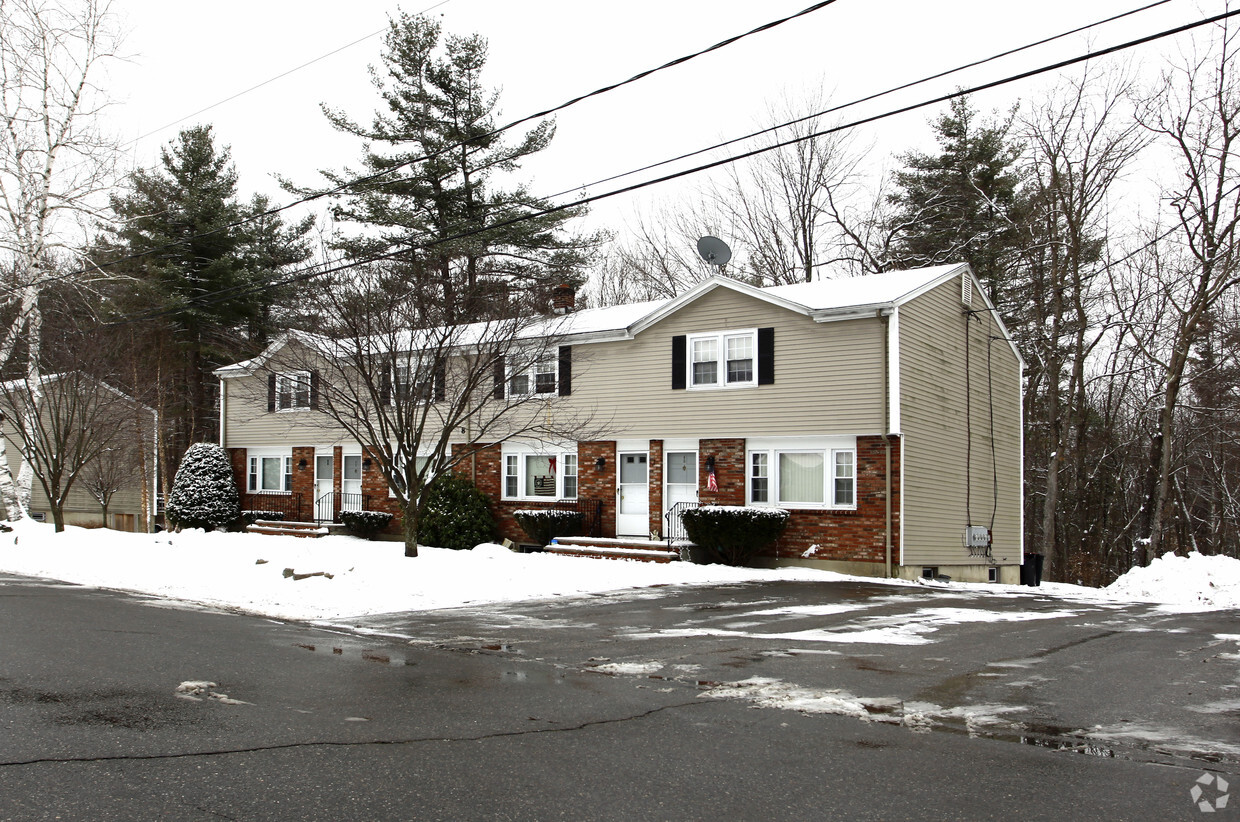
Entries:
{"x":282,"y":379}
{"x":827,"y":447}
{"x":533,"y":451}
{"x":254,"y":458}
{"x":721,"y":342}
{"x":406,"y":391}
{"x":531,"y":371}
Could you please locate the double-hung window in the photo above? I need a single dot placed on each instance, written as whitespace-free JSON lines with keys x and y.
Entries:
{"x":533,"y":378}
{"x":292,"y":390}
{"x":271,"y":473}
{"x":723,"y":359}
{"x":540,"y":475}
{"x":803,"y":475}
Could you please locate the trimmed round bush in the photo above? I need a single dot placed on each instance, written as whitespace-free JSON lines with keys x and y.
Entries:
{"x":456,"y":515}
{"x":542,"y":525}
{"x":365,"y":524}
{"x":734,"y":533}
{"x":204,"y":494}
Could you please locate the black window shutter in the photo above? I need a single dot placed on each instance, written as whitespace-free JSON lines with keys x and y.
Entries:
{"x":566,"y":370}
{"x":385,"y":382}
{"x":498,"y":393}
{"x":271,"y":392}
{"x":680,"y":345}
{"x":441,"y":383}
{"x":314,"y":390}
{"x":766,"y":356}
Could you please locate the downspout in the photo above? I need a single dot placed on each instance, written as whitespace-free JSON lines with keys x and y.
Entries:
{"x":223,"y":414}
{"x":884,"y":314}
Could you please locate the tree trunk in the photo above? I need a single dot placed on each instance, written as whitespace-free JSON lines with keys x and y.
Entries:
{"x":409,"y":528}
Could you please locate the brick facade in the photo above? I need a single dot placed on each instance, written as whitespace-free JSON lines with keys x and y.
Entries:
{"x":855,"y":535}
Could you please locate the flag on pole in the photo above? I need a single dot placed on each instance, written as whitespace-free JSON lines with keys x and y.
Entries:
{"x":711,"y":484}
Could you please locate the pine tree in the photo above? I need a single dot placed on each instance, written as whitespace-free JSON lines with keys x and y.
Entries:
{"x":436,"y":107}
{"x":203,"y":270}
{"x":962,"y":203}
{"x":204,"y":494}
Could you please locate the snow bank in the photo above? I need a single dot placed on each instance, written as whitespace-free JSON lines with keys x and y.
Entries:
{"x":1195,"y":581}
{"x":336,"y":576}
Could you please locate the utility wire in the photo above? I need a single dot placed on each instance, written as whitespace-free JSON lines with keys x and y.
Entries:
{"x":271,"y":80}
{"x":861,"y":100}
{"x":833,"y":109}
{"x":339,"y":264}
{"x":372,"y":178}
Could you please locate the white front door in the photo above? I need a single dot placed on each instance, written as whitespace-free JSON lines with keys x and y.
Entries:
{"x":633,"y":507}
{"x":351,"y":483}
{"x":324,"y":476}
{"x":681,"y":485}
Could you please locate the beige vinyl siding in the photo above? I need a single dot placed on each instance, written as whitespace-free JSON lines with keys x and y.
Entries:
{"x":828,"y":377}
{"x":248,"y":423}
{"x":936,"y":434}
{"x":80,"y":502}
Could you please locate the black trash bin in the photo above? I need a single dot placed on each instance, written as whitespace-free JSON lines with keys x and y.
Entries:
{"x":1031,"y":570}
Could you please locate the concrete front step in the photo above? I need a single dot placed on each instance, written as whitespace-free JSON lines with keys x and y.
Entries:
{"x":289,"y":529}
{"x":643,"y":550}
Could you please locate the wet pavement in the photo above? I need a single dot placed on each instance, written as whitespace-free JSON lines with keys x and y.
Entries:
{"x":1105,"y":679}
{"x":788,"y":701}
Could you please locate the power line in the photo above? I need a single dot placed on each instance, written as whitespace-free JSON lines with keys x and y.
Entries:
{"x":859,"y":101}
{"x":271,"y":80}
{"x":340,"y":265}
{"x":371,"y":178}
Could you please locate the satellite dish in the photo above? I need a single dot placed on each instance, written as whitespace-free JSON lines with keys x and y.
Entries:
{"x":714,"y":250}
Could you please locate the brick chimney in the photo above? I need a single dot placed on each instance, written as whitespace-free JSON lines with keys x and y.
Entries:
{"x":563,"y":299}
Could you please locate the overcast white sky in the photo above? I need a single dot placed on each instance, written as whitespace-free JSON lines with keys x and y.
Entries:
{"x":186,"y":57}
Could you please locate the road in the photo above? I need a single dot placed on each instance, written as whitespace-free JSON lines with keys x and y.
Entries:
{"x":762,"y":701}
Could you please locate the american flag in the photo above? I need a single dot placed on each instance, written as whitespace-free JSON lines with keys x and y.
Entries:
{"x":711,"y":485}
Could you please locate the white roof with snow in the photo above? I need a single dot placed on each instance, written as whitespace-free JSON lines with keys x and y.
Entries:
{"x":822,"y":299}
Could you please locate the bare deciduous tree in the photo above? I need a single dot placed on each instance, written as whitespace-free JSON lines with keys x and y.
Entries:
{"x":422,"y":398}
{"x":54,"y":161}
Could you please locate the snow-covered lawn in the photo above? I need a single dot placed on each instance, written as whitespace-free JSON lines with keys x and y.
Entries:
{"x":340,"y":576}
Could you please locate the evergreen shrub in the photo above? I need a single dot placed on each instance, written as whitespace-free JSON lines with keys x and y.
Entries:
{"x":733,"y":533}
{"x":542,"y":525}
{"x":365,"y":524}
{"x":204,"y":494}
{"x":456,"y":515}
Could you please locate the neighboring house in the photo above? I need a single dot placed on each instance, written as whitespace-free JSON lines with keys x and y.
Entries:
{"x":94,"y":431}
{"x":884,"y":412}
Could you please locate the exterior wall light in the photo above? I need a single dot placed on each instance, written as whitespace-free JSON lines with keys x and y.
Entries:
{"x":600,"y":463}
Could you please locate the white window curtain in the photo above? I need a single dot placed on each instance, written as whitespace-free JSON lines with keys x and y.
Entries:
{"x":801,"y":477}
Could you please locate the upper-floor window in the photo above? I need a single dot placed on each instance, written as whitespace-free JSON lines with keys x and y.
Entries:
{"x":724,"y":359}
{"x":533,"y":377}
{"x":293,"y":390}
{"x":415,"y":382}
{"x":549,"y":372}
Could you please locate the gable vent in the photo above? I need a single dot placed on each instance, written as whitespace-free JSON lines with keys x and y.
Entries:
{"x":966,"y":289}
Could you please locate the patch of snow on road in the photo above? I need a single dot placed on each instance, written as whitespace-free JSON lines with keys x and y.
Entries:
{"x":1194,"y":582}
{"x":917,"y":716}
{"x":630,"y":668}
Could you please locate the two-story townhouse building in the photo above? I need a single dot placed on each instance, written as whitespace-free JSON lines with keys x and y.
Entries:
{"x":883,"y":412}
